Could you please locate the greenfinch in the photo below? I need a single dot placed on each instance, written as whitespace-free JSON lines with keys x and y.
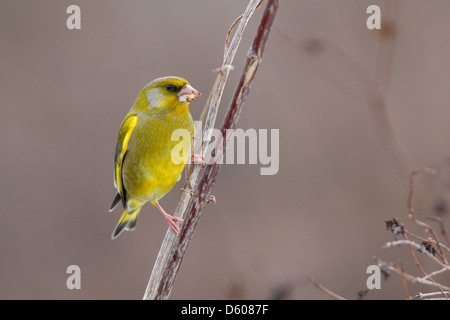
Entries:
{"x":144,"y":170}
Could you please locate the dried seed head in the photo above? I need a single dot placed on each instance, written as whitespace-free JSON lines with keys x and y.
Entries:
{"x":395,"y":227}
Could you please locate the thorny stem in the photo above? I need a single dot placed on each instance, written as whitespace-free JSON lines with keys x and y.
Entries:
{"x":191,"y":204}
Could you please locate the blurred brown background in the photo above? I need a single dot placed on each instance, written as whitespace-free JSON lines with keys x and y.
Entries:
{"x":64,"y":93}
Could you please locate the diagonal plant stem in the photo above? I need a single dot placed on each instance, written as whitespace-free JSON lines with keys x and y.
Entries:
{"x":324,"y":289}
{"x":198,"y":187}
{"x":413,"y":279}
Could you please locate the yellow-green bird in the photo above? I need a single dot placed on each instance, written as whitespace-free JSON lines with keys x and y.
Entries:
{"x":144,"y":170}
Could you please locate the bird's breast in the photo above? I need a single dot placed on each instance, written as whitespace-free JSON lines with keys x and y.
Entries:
{"x":149,"y":170}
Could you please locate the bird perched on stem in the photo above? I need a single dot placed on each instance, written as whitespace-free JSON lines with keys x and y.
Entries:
{"x":144,"y":166}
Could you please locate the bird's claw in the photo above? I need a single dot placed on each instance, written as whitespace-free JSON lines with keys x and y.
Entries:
{"x":198,"y":158}
{"x":171,"y":221}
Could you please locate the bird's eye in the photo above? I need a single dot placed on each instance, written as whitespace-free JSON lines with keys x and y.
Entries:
{"x":171,"y":88}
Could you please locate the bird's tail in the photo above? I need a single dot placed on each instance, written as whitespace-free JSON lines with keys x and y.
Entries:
{"x":127,"y":222}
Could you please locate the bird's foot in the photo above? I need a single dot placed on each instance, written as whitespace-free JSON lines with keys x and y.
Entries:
{"x":171,"y":221}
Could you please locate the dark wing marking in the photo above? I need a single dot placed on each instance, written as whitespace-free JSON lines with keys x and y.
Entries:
{"x":126,"y":129}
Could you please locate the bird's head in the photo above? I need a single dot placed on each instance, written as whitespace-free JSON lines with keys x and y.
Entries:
{"x":167,"y":92}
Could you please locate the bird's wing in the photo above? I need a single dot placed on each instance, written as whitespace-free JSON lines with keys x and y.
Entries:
{"x":128,"y":125}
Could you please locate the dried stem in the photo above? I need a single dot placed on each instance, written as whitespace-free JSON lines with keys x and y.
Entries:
{"x":385,"y":53}
{"x":349,"y":76}
{"x":428,"y":295}
{"x":443,"y":231}
{"x":424,"y":225}
{"x":404,"y":284}
{"x":193,"y":201}
{"x":413,"y":279}
{"x":418,"y":247}
{"x":426,"y":246}
{"x":326,"y":290}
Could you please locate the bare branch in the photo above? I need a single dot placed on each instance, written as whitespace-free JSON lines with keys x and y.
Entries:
{"x":411,"y":215}
{"x":324,"y":289}
{"x":413,"y":279}
{"x":418,"y":247}
{"x":421,"y":295}
{"x":193,"y":201}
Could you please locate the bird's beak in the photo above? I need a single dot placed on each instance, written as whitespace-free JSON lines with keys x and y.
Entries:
{"x":187,"y":94}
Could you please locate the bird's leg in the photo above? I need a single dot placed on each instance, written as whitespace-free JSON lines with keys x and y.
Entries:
{"x":198,"y":158}
{"x":170,"y":219}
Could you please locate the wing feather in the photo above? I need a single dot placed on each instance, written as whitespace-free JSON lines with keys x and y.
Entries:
{"x":126,"y":129}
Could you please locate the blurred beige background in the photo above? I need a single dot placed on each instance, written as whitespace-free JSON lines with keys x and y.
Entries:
{"x":63,"y":95}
